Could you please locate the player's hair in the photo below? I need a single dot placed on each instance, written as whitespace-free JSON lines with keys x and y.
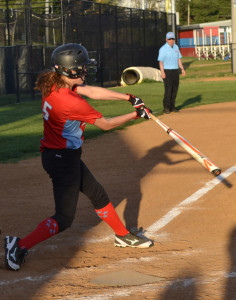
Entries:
{"x":47,"y":81}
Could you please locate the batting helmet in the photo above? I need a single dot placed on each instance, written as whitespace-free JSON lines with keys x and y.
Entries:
{"x":70,"y":59}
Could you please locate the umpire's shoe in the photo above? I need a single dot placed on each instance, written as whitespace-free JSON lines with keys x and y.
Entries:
{"x":14,"y":255}
{"x":132,"y":240}
{"x":166,"y":110}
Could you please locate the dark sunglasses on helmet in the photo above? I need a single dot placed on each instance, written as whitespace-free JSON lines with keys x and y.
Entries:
{"x":171,"y":39}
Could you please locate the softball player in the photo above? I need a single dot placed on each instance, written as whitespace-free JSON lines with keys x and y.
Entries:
{"x":65,"y":114}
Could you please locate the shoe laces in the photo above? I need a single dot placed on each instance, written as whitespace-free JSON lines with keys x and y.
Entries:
{"x":136,"y":231}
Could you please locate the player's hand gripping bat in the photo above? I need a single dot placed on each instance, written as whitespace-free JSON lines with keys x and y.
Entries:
{"x":195,"y":153}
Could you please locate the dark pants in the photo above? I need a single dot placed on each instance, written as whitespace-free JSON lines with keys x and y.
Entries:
{"x":171,"y":83}
{"x":69,"y":176}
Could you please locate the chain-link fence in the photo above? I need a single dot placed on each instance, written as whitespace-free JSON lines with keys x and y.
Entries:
{"x":117,"y":37}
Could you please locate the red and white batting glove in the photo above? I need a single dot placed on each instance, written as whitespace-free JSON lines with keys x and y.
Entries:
{"x":135,"y":101}
{"x":143,"y":112}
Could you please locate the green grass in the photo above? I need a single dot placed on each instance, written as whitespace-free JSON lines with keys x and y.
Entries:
{"x":12,"y":98}
{"x":21,"y":125}
{"x":200,"y":69}
{"x":20,"y":131}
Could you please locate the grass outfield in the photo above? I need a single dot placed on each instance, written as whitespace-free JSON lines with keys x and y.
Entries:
{"x":21,"y":124}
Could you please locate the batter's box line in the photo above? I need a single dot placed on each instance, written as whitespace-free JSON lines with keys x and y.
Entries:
{"x":177,"y":210}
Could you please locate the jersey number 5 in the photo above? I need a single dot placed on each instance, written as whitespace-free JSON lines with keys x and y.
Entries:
{"x":46,"y":107}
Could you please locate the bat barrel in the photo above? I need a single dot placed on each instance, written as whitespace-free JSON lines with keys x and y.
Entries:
{"x":189,"y":148}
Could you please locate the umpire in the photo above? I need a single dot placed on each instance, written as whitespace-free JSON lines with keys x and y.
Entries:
{"x":170,"y":61}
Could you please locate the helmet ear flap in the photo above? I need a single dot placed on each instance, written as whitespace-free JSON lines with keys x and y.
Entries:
{"x":61,"y":70}
{"x":56,"y":68}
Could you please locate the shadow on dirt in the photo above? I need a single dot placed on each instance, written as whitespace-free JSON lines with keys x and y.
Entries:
{"x":27,"y":199}
{"x":230,"y":286}
{"x":154,"y":157}
{"x":181,"y":288}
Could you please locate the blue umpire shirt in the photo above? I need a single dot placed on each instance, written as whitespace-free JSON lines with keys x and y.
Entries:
{"x":169,"y":56}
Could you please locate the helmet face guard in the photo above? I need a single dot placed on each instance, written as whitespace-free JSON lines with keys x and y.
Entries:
{"x":72,"y":73}
{"x":71,"y":60}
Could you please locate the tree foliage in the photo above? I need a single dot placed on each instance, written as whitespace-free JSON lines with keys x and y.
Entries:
{"x":202,"y":11}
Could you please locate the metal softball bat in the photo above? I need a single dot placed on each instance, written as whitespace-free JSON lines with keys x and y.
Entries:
{"x":189,"y":148}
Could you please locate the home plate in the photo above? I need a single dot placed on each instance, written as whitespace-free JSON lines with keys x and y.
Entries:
{"x":126,"y":277}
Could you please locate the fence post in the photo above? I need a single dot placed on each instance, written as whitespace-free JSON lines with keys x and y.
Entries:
{"x":144,"y":39}
{"x":62,"y":23}
{"x":131,"y":36}
{"x":156,"y":43}
{"x":17,"y":77}
{"x":117,"y":60}
{"x":8,"y":25}
{"x":31,"y":72}
{"x":101,"y":46}
{"x":27,"y":6}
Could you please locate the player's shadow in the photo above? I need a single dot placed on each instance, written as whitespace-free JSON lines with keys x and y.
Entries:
{"x":126,"y":171}
{"x":189,"y":101}
{"x":133,"y":178}
{"x":181,"y":288}
{"x":120,"y":172}
{"x":230,"y":287}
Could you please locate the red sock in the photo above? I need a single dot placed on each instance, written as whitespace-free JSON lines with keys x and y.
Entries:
{"x":45,"y":230}
{"x":109,"y":215}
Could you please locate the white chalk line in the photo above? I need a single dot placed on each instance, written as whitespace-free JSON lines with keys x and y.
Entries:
{"x":177,"y":210}
{"x":151,"y":230}
{"x":81,"y":271}
{"x":125,"y":292}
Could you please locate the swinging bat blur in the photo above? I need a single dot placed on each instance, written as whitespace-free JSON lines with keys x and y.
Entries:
{"x":195,"y":153}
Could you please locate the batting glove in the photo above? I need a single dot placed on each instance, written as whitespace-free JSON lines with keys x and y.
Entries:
{"x":135,"y":101}
{"x":143,"y":112}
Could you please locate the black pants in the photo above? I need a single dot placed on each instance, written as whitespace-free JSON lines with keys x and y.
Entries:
{"x":171,"y":83}
{"x":69,"y":176}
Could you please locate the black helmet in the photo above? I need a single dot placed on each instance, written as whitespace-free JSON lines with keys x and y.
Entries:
{"x":71,"y":57}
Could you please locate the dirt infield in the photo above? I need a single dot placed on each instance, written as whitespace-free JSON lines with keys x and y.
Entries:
{"x":153,"y":183}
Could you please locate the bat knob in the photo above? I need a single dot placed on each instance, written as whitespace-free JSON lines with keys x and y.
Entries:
{"x":216,"y":172}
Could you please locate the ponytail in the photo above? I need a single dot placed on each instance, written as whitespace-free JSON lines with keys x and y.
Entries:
{"x":47,"y":80}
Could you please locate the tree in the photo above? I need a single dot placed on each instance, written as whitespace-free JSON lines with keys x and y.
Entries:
{"x":202,"y":11}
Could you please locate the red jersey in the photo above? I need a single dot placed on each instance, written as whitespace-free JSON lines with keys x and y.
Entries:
{"x":65,"y":115}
